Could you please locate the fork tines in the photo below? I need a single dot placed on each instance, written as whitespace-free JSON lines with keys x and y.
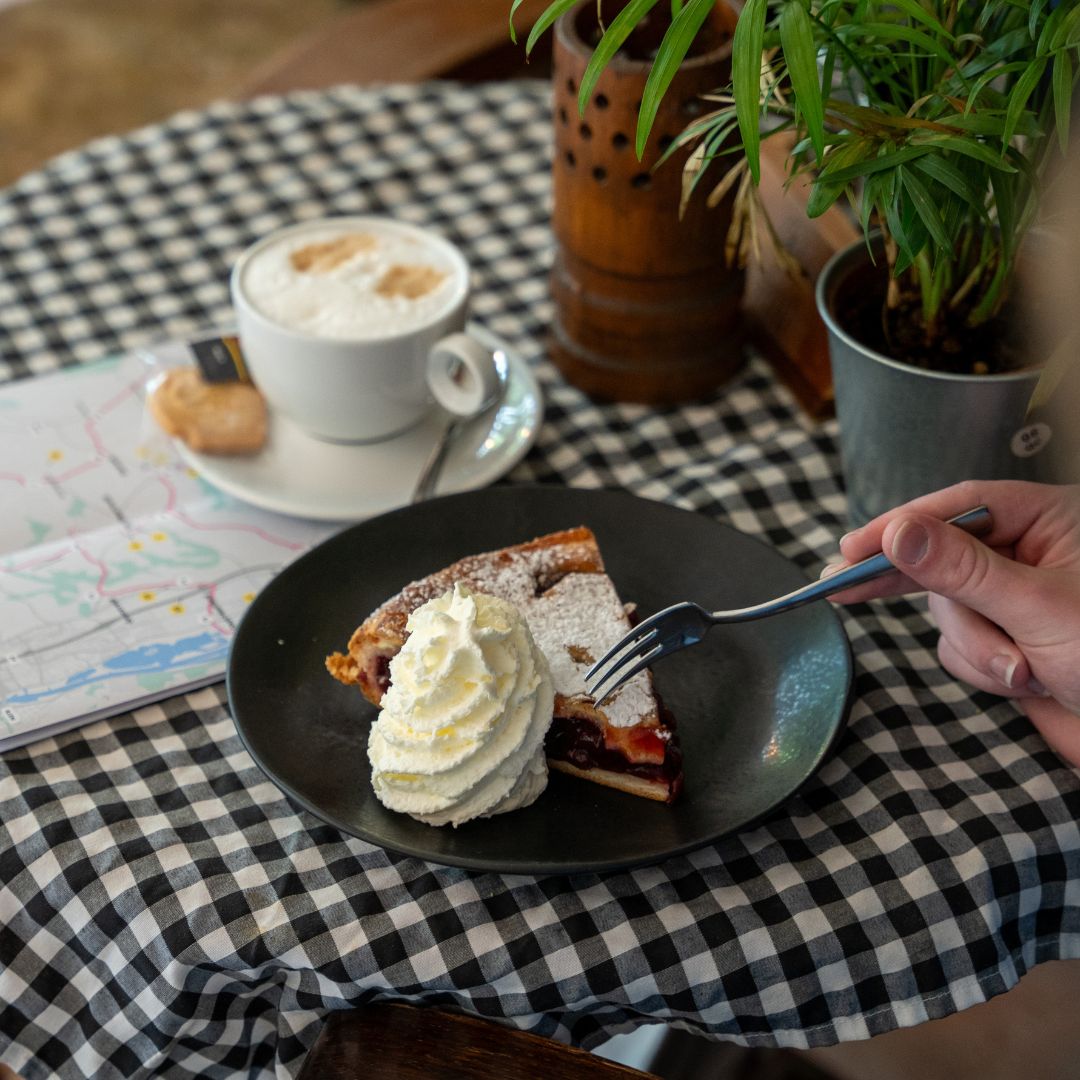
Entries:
{"x":637,"y":649}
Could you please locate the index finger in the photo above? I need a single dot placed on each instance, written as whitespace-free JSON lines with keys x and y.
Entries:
{"x":894,"y":584}
{"x":1014,"y":505}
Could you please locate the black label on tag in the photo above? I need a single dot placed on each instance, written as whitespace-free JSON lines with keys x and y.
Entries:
{"x":220,"y":360}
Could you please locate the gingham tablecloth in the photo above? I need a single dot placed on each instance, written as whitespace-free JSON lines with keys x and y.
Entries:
{"x":164,"y":910}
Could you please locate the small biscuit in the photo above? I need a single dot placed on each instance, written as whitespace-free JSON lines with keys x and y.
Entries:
{"x":212,"y":418}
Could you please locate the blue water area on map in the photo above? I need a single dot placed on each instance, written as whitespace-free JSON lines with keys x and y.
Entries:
{"x":146,"y":659}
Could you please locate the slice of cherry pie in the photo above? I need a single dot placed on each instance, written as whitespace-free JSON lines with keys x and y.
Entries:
{"x":559,"y":584}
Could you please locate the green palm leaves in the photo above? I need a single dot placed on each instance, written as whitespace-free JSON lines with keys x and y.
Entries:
{"x":935,"y":119}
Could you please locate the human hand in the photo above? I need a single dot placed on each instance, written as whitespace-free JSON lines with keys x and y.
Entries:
{"x":1007,"y":604}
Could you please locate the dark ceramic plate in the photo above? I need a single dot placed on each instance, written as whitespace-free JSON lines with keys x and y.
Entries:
{"x":757,"y":704}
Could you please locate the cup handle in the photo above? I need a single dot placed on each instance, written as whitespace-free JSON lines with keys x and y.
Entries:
{"x":462,"y":374}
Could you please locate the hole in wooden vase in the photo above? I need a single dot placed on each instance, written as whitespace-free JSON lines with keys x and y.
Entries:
{"x":692,"y":107}
{"x":666,"y":141}
{"x":642,"y":181}
{"x":599,"y":174}
{"x":586,"y":131}
{"x":570,"y":159}
{"x":601,"y":101}
{"x":564,"y":116}
{"x":620,"y":141}
{"x":570,"y":86}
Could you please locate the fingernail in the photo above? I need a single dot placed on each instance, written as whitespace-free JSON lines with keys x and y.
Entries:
{"x":1036,"y":688}
{"x":831,"y":568}
{"x":846,"y":536}
{"x":910,"y":543}
{"x":1003,"y":668}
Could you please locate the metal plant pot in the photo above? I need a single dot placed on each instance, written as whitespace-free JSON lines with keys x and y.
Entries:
{"x":905,"y":431}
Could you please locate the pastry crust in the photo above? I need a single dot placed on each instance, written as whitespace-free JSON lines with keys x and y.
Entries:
{"x":657,"y":790}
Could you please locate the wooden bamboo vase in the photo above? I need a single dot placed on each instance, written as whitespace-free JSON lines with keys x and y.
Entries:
{"x":646,"y":308}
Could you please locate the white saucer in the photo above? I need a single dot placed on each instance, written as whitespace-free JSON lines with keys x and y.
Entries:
{"x":299,"y":475}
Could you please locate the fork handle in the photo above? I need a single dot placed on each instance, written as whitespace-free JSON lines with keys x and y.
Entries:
{"x":977,"y":521}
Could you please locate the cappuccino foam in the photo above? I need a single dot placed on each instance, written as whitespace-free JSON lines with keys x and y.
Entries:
{"x":351,"y":283}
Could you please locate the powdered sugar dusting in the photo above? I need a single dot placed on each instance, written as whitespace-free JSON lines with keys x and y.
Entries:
{"x":574,"y":617}
{"x":516,"y":575}
{"x":573,"y":634}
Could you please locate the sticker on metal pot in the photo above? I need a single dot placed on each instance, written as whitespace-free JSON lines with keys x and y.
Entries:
{"x":1030,"y":439}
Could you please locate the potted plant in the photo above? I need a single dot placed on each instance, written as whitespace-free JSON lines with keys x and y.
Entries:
{"x":937,"y":121}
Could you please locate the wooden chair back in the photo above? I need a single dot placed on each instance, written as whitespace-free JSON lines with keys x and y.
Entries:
{"x":398,"y":1041}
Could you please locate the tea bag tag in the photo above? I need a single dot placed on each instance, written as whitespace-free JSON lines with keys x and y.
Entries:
{"x":220,"y":359}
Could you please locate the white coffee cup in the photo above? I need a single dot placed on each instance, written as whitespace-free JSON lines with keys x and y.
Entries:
{"x":342,"y":361}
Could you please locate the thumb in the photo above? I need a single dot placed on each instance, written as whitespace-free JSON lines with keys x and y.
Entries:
{"x":948,"y":561}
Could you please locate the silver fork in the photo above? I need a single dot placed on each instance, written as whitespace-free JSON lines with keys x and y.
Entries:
{"x":685,"y":624}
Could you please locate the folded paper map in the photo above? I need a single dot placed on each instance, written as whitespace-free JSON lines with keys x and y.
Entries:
{"x":122,"y":573}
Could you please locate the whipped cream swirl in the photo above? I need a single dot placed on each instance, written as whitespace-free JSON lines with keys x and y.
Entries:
{"x":461,"y":731}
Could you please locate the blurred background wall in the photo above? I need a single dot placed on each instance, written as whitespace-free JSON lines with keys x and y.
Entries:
{"x":71,"y":70}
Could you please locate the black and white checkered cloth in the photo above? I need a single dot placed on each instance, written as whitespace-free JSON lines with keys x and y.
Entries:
{"x":165,"y":911}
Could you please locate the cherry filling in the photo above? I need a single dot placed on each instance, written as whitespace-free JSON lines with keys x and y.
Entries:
{"x":582,"y":745}
{"x":382,"y":673}
{"x":377,"y":672}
